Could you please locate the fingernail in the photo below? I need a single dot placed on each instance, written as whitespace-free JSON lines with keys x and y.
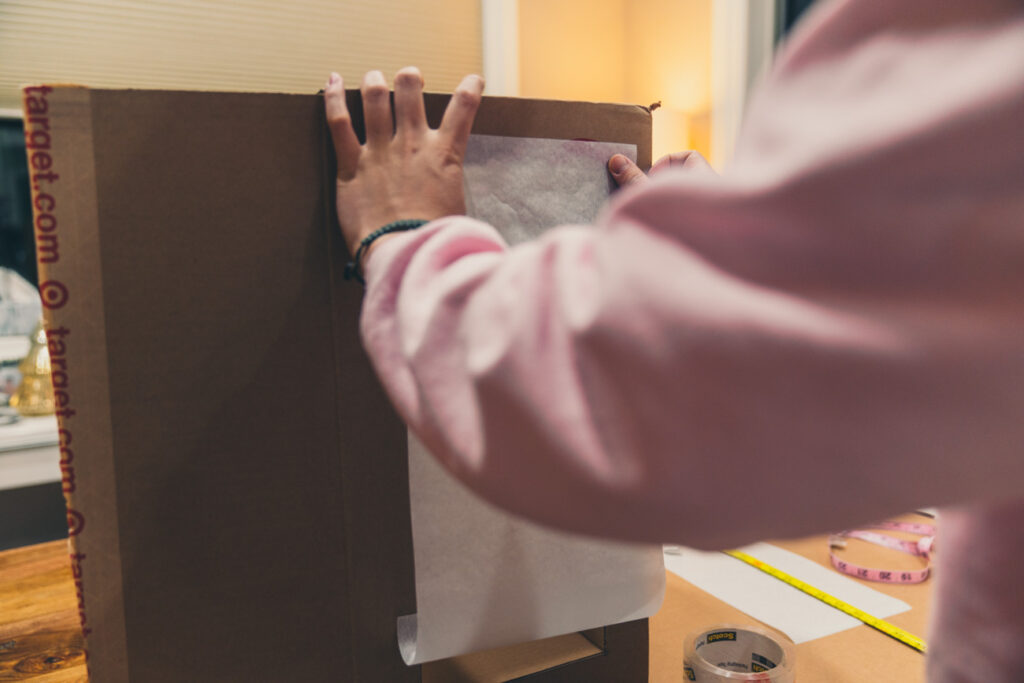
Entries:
{"x":472,"y":82}
{"x":333,"y":79}
{"x":618,"y":164}
{"x":375,"y":77}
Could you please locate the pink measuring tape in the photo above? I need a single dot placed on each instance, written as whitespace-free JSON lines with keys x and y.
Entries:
{"x":920,"y":548}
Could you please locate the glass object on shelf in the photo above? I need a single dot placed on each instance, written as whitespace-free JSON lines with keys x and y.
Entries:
{"x":34,"y":396}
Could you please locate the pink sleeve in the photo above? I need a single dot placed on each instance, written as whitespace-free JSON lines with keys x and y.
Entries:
{"x":831,"y":331}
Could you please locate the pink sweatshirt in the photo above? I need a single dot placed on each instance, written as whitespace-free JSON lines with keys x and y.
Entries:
{"x":830,"y":332}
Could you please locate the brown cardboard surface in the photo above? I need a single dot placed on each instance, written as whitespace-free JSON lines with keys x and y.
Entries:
{"x":603,"y":654}
{"x":852,"y":656}
{"x":251,"y":522}
{"x":503,"y":664}
{"x":61,"y":158}
{"x":216,"y":291}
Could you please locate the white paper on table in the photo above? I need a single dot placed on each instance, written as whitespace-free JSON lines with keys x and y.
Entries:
{"x":767,"y":599}
{"x":486,"y":579}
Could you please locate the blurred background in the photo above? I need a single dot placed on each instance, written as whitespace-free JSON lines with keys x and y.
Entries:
{"x":698,"y":58}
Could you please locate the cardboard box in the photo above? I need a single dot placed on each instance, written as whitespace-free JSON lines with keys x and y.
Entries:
{"x":236,"y":480}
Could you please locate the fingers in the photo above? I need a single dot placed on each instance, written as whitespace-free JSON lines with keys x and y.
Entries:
{"x":695,"y":161}
{"x":691,"y":160}
{"x":376,"y":109}
{"x":410,"y":117}
{"x":346,"y":144}
{"x":461,"y":110}
{"x":625,"y":171}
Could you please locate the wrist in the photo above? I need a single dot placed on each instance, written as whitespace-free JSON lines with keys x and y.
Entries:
{"x":354,"y":268}
{"x":373,"y":247}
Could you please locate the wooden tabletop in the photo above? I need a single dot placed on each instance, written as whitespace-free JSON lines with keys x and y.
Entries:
{"x":853,"y":656}
{"x":40,"y":640}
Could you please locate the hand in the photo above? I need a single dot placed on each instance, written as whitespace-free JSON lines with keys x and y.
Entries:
{"x":626,"y":172}
{"x":416,"y":173}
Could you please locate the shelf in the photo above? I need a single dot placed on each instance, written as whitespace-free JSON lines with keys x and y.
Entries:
{"x":27,"y":432}
{"x":29,"y":454}
{"x":29,"y":467}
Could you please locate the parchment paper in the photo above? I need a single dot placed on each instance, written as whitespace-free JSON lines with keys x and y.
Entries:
{"x":798,"y":615}
{"x":485,"y":579}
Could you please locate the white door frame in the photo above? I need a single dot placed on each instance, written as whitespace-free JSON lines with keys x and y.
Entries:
{"x":742,"y":43}
{"x":500,"y":34}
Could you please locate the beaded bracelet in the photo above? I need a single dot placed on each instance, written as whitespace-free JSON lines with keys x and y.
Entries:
{"x":353,"y":269}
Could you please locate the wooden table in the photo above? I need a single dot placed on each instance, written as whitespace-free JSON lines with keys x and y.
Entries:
{"x":853,"y":656}
{"x":40,"y":639}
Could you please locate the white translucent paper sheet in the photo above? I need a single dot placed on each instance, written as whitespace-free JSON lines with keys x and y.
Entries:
{"x":767,"y":599}
{"x":484,"y":578}
{"x":523,"y":186}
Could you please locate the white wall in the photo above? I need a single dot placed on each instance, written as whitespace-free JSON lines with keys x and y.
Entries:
{"x":743,"y":33}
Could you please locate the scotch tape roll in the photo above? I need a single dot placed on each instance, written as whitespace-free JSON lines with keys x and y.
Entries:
{"x":738,"y":653}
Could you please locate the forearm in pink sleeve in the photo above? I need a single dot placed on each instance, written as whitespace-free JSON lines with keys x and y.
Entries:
{"x":830,"y":333}
{"x":611,"y":381}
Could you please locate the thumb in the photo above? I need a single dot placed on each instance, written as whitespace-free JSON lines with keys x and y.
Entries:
{"x":625,"y":171}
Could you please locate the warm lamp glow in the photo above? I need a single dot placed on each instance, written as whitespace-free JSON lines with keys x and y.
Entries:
{"x":632,"y":51}
{"x":671,"y":131}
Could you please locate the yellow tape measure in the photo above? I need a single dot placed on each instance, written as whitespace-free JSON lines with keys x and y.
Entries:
{"x":874,"y":622}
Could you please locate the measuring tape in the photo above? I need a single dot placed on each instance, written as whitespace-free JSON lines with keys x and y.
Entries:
{"x":920,"y":548}
{"x":872,"y":621}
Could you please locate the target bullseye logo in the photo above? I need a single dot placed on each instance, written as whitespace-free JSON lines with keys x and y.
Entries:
{"x":53,"y":294}
{"x":76,"y":522}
